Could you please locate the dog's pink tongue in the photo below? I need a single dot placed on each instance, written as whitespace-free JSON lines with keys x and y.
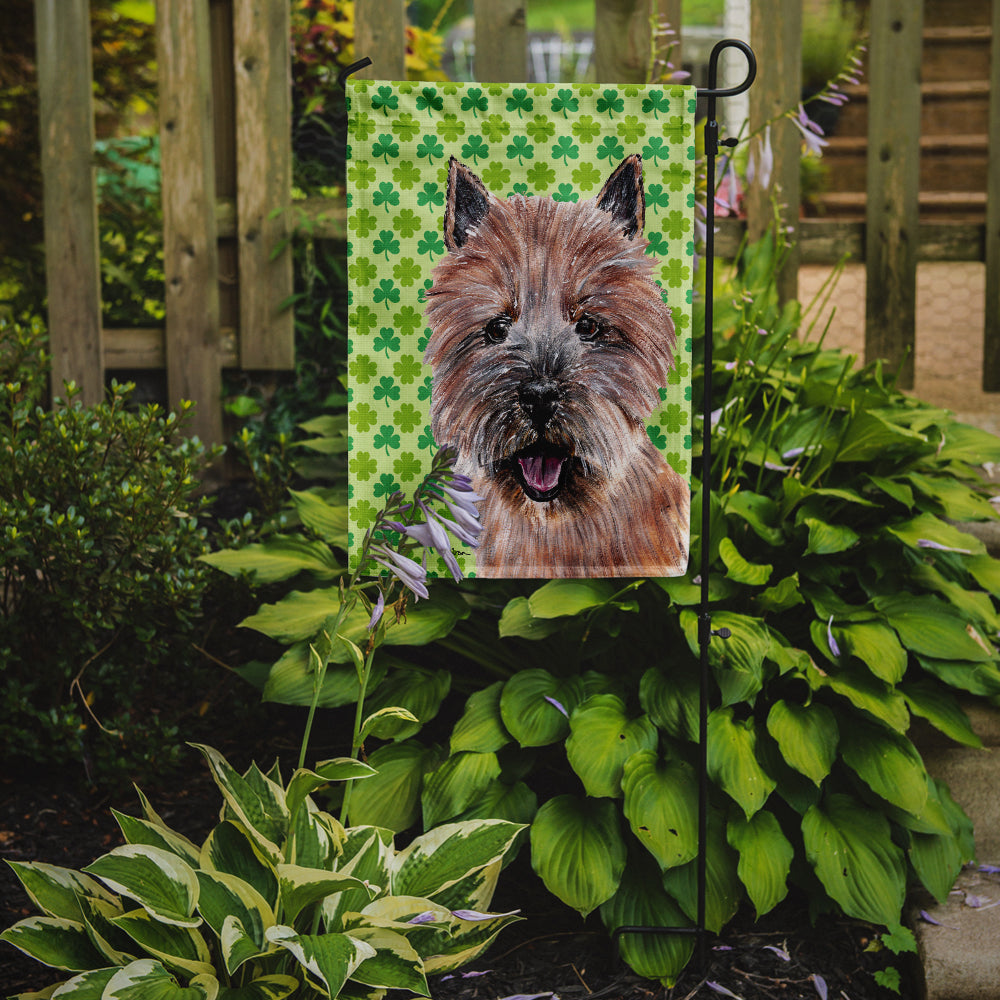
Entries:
{"x":541,"y":472}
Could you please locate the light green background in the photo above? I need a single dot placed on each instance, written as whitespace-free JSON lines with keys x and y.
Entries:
{"x":551,"y":139}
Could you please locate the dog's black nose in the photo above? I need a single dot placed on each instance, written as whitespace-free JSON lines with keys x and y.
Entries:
{"x":539,"y":399}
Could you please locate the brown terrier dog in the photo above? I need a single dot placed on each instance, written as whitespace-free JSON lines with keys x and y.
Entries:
{"x":550,"y":344}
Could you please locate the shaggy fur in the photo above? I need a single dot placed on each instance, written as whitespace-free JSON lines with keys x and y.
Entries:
{"x":550,"y":343}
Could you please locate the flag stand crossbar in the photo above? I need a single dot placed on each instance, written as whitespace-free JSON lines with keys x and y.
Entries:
{"x":705,"y":630}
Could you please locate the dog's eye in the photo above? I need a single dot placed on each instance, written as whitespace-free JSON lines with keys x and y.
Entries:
{"x":588,"y":328}
{"x":497,"y":329}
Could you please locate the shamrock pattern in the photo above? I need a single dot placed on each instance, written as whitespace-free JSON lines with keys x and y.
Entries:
{"x":555,"y":140}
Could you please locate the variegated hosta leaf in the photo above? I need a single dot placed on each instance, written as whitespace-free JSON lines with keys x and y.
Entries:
{"x":301,"y":887}
{"x":315,"y":838}
{"x":54,"y":941}
{"x":732,"y":760}
{"x":230,"y":849}
{"x":850,"y":847}
{"x":329,"y":959}
{"x":367,"y":853}
{"x":807,"y":736}
{"x":56,"y":891}
{"x":160,"y":882}
{"x":116,"y":946}
{"x":141,"y":831}
{"x":256,"y":801}
{"x":578,"y":851}
{"x":661,"y":799}
{"x":147,"y":979}
{"x":177,"y":947}
{"x":642,"y":902}
{"x":304,"y":782}
{"x":395,"y":964}
{"x":602,"y":737}
{"x":468,"y":939}
{"x":238,"y":944}
{"x":225,"y":897}
{"x":765,"y":858}
{"x":475,"y":891}
{"x":86,"y":986}
{"x":441,"y":857}
{"x":274,"y":987}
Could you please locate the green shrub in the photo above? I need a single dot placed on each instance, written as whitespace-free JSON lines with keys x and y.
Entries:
{"x":280,"y":899}
{"x":99,"y":539}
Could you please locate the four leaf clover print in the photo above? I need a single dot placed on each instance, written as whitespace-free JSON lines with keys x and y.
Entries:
{"x":535,"y":140}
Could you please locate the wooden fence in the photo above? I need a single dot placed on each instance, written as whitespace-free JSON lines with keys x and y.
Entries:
{"x":226,"y":160}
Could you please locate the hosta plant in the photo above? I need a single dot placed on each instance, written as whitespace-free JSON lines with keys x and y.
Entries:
{"x":279,"y":900}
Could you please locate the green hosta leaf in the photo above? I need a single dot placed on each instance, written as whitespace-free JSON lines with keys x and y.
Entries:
{"x":765,"y":858}
{"x":517,"y":620}
{"x":876,"y":646}
{"x":147,"y":979}
{"x":54,"y":941}
{"x":965,"y":443}
{"x":976,"y":678}
{"x":732,"y":760}
{"x":941,"y":709}
{"x":330,"y":959}
{"x":180,"y":948}
{"x":888,"y":763}
{"x":327,"y":520}
{"x":456,"y":784}
{"x":225,"y":897}
{"x":986,"y":571}
{"x":481,"y":728}
{"x":827,"y":539}
{"x":661,"y":798}
{"x":141,"y":831}
{"x":602,"y":738}
{"x":578,"y":851}
{"x":928,"y":528}
{"x":864,"y":692}
{"x":230,"y":849}
{"x":723,"y":889}
{"x":738,"y":661}
{"x":975,"y":605}
{"x":301,"y":887}
{"x":395,"y":964}
{"x":391,"y":798}
{"x":671,"y":700}
{"x":807,"y":736}
{"x":937,"y":859}
{"x":760,"y":512}
{"x":515,"y":803}
{"x":870,"y":436}
{"x":641,"y":901}
{"x":416,"y":689}
{"x":159,"y":881}
{"x":957,"y":501}
{"x":932,"y":628}
{"x":56,"y":891}
{"x":850,"y":848}
{"x":441,"y":857}
{"x":738,"y":569}
{"x":783,"y":595}
{"x":559,"y":598}
{"x":279,"y":558}
{"x":261,"y":809}
{"x":893,"y":488}
{"x":528,"y":714}
{"x":292,"y":680}
{"x":275,"y":987}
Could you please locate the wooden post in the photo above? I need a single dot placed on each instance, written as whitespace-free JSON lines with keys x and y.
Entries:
{"x":668,"y":14}
{"x":776,"y":35}
{"x":72,"y":255}
{"x":501,"y":49}
{"x":190,"y":254}
{"x":262,"y":60}
{"x":991,"y":333}
{"x":380,"y":34}
{"x":893,"y":183}
{"x":622,"y":40}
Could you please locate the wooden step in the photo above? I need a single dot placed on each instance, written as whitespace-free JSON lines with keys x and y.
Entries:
{"x":957,"y":206}
{"x":947,"y":162}
{"x":940,"y":13}
{"x":956,"y":53}
{"x":947,"y":106}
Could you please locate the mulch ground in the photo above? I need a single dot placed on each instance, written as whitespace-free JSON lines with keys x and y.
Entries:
{"x":550,"y":953}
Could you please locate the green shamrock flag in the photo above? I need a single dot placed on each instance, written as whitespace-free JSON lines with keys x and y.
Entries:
{"x":536,"y":361}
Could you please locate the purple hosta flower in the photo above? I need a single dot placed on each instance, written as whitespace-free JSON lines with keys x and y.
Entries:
{"x":927,"y":543}
{"x":831,"y":642}
{"x":475,"y":915}
{"x":377,"y":611}
{"x":719,"y":988}
{"x":760,"y":165}
{"x":811,"y":132}
{"x":728,"y":195}
{"x":431,"y":535}
{"x":411,"y":574}
{"x":464,"y":526}
{"x":820,"y":984}
{"x":989,"y":869}
{"x":465,"y":975}
{"x":461,"y":502}
{"x":558,"y":705}
{"x":427,"y":917}
{"x":780,"y":952}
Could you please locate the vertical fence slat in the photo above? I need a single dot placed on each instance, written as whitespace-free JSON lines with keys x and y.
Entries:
{"x":621,"y":40}
{"x":380,"y":34}
{"x":72,"y":257}
{"x":893,"y":183}
{"x":776,"y":35}
{"x":190,"y":253}
{"x":991,"y":332}
{"x":501,"y":53}
{"x":261,"y":57}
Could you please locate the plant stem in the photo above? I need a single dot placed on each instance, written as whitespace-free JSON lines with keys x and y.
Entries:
{"x":356,"y":737}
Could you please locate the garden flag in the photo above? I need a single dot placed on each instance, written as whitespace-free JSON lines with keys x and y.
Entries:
{"x":520,"y":275}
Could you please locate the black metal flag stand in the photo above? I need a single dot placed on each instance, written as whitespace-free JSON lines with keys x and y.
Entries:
{"x":705,"y":631}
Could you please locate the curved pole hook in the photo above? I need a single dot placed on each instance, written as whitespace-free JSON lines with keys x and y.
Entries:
{"x":712,"y":90}
{"x":348,"y":70}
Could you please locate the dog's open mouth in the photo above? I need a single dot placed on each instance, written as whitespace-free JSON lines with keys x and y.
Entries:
{"x":540,"y":473}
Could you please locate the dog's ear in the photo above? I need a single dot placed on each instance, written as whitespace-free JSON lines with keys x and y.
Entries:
{"x":467,"y":204}
{"x":623,"y":196}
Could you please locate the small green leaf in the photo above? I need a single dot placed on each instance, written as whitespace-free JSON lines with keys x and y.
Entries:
{"x":888,"y":763}
{"x":671,"y":699}
{"x":301,"y":887}
{"x":732,"y":760}
{"x":279,"y":558}
{"x":517,"y":620}
{"x":765,"y":858}
{"x":660,"y":805}
{"x":936,"y":704}
{"x":391,"y":798}
{"x":481,"y":727}
{"x":738,"y":569}
{"x":827,"y":539}
{"x":559,"y":598}
{"x":807,"y":736}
